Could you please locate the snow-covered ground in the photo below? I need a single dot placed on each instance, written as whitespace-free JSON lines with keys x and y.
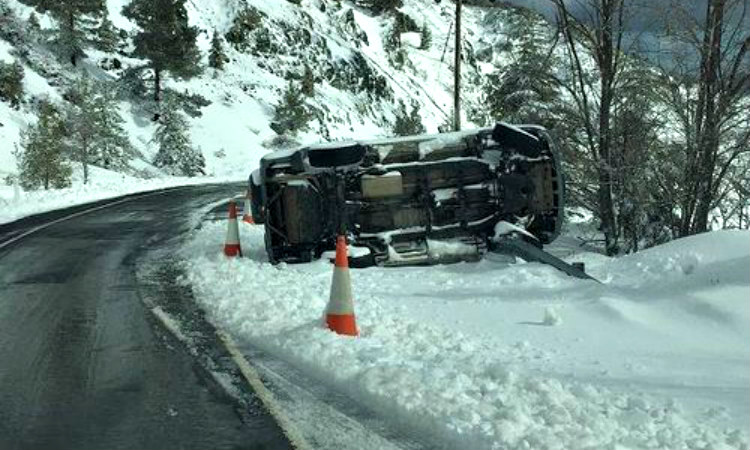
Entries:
{"x":492,"y":355}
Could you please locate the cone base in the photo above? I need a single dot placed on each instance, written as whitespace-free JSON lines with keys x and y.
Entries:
{"x":344,"y":324}
{"x":232,"y":250}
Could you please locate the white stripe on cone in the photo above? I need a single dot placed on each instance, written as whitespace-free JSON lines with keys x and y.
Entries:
{"x":232,"y":243}
{"x":233,"y":233}
{"x":340,"y":302}
{"x":248,"y":212}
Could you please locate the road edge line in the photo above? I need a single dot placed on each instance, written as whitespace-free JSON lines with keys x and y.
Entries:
{"x":249,"y":373}
{"x":266,"y":396}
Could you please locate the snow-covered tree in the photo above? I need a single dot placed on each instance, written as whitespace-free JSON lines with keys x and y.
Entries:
{"x":523,"y":90}
{"x":106,"y":37}
{"x":75,"y":19}
{"x":40,"y":157}
{"x":81,"y":129}
{"x":291,"y":114}
{"x":308,"y":81}
{"x":95,"y":128}
{"x":245,"y":22}
{"x":113,"y":148}
{"x":165,"y":39}
{"x":426,"y":37}
{"x":176,"y":154}
{"x":408,"y":123}
{"x":216,"y":56}
{"x":34,"y":22}
{"x":11,"y":83}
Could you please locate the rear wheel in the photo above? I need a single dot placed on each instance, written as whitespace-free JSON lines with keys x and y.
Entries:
{"x":336,"y":157}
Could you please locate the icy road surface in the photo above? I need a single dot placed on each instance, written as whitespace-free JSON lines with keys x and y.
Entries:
{"x":491,"y":355}
{"x":83,"y":363}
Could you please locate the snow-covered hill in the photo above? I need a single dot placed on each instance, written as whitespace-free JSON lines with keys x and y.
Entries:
{"x":357,"y":86}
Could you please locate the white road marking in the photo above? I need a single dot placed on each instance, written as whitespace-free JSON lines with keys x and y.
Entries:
{"x":265,"y":395}
{"x":248,"y":373}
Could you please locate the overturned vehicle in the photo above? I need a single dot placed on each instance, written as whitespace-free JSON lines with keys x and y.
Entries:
{"x":415,"y":200}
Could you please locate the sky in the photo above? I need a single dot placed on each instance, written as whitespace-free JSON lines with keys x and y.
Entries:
{"x":647,"y":20}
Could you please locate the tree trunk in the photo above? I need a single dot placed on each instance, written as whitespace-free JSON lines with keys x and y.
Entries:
{"x":157,"y":85}
{"x":708,"y":125}
{"x":71,"y":29}
{"x":157,"y":93}
{"x":606,"y":69}
{"x":85,"y":171}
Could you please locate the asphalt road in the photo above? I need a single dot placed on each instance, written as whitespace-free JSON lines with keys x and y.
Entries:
{"x":83,"y":363}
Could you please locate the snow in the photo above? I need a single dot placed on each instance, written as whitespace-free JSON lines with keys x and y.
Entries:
{"x":657,"y":357}
{"x":413,"y":40}
{"x":504,"y":228}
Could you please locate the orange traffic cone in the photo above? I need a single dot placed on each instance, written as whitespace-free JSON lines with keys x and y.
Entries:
{"x":232,"y":245}
{"x":340,"y":310}
{"x":248,"y":213}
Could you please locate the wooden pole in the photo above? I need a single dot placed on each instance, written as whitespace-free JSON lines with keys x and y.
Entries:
{"x":457,"y":71}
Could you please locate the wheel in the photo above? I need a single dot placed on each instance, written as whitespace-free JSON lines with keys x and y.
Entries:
{"x":345,"y":155}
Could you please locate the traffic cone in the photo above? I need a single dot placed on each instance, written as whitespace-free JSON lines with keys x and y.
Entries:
{"x":248,"y":213}
{"x":232,"y":245}
{"x":340,"y":310}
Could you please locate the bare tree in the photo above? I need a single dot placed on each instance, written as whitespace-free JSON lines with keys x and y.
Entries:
{"x":596,"y":34}
{"x":708,"y":94}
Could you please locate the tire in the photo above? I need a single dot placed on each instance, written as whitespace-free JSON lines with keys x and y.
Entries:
{"x":336,"y":157}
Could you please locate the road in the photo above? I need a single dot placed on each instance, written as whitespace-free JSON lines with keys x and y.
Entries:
{"x":83,"y":362}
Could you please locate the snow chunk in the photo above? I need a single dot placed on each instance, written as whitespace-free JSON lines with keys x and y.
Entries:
{"x":551,"y":317}
{"x":504,"y":228}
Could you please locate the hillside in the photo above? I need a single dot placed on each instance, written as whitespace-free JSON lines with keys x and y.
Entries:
{"x":358,"y":85}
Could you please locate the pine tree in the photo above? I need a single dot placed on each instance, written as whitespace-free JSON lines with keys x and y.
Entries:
{"x":75,"y":19}
{"x":291,"y":113}
{"x":166,"y":39}
{"x":392,"y":39}
{"x":426,"y":34}
{"x":245,"y":22}
{"x":308,"y":81}
{"x":96,"y":134}
{"x":40,"y":158}
{"x":112,"y":144}
{"x":408,"y":124}
{"x":106,"y":36}
{"x":524,"y":91}
{"x":34,"y":22}
{"x":393,"y":47}
{"x":416,"y":119}
{"x":80,"y":127}
{"x":176,"y":154}
{"x":11,"y":83}
{"x":216,"y":57}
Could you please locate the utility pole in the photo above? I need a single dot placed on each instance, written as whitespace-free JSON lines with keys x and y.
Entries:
{"x":457,"y":72}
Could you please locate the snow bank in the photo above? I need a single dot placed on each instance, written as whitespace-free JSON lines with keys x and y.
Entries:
{"x":472,"y":384}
